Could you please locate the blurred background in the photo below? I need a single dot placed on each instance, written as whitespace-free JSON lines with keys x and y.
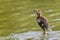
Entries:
{"x":17,"y":16}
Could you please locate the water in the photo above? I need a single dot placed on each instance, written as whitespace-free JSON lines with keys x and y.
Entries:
{"x":33,"y":35}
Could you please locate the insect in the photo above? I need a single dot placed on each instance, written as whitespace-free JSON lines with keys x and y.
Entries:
{"x":42,"y":21}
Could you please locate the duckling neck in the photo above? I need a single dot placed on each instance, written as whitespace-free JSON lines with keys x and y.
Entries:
{"x":40,"y":16}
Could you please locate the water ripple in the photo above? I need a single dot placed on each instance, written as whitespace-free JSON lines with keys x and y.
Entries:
{"x":58,"y":19}
{"x":55,"y":14}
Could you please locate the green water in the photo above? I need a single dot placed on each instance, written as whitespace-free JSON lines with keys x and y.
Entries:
{"x":15,"y":15}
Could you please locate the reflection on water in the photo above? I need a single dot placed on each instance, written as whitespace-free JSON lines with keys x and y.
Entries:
{"x":33,"y":35}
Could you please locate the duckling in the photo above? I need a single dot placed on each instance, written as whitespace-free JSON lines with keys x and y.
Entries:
{"x":42,"y":21}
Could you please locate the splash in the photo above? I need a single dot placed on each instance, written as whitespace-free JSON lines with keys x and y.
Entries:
{"x":33,"y":35}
